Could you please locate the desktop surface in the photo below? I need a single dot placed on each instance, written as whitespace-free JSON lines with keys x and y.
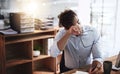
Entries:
{"x":86,"y":68}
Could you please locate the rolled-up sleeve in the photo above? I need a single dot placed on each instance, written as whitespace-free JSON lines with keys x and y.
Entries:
{"x":96,"y":48}
{"x":54,"y":50}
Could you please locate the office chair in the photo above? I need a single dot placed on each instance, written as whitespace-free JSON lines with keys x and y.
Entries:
{"x":63,"y":68}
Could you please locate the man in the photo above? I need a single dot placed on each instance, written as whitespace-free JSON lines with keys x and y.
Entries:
{"x":78,"y":43}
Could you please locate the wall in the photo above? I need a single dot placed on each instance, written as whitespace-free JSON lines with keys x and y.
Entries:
{"x":117,"y":34}
{"x":45,"y":8}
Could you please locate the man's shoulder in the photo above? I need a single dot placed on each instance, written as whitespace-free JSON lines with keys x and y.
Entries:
{"x":62,"y":30}
{"x":88,"y":28}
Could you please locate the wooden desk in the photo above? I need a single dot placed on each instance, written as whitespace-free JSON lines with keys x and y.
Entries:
{"x":86,"y":68}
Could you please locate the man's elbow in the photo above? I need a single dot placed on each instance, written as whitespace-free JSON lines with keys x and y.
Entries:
{"x":53,"y":54}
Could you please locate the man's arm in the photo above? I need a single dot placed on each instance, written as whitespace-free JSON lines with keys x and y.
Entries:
{"x":61,"y":40}
{"x":74,"y":30}
{"x":96,"y":51}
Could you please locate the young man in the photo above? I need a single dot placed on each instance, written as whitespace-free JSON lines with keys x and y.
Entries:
{"x":78,"y":43}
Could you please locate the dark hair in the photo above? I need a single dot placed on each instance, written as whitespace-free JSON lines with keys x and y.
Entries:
{"x":66,"y":18}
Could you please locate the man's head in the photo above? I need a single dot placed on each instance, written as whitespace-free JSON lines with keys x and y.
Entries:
{"x":68,"y":18}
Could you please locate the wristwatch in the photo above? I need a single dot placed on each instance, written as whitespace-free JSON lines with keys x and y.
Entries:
{"x":98,"y":66}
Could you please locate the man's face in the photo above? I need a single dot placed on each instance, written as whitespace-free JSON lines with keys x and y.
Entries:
{"x":76,"y":21}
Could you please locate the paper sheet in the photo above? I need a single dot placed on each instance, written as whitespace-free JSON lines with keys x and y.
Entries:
{"x":8,"y":31}
{"x":115,"y":68}
{"x":80,"y":72}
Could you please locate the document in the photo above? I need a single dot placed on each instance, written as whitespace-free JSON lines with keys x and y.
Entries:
{"x":115,"y":68}
{"x":8,"y":31}
{"x":81,"y":72}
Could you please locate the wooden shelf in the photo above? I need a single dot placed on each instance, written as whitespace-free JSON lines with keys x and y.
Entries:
{"x":43,"y":71}
{"x":16,"y":53}
{"x":25,"y":68}
{"x":18,"y":38}
{"x":40,"y":57}
{"x":35,"y":32}
{"x":14,"y":62}
{"x":28,"y":39}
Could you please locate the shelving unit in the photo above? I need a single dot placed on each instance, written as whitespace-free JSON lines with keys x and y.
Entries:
{"x":16,"y":53}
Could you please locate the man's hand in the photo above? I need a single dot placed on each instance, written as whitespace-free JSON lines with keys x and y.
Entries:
{"x":75,"y":30}
{"x":95,"y":68}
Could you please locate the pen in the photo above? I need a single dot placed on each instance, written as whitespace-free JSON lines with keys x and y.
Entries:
{"x":93,"y":68}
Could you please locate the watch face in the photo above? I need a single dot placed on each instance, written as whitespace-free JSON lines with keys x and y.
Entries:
{"x":98,"y":66}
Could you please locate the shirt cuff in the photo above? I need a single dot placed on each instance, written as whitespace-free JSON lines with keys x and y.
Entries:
{"x":98,"y":59}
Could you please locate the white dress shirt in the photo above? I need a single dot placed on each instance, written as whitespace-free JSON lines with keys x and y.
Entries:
{"x":79,"y":49}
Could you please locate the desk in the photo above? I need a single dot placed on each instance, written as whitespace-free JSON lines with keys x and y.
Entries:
{"x":86,"y":68}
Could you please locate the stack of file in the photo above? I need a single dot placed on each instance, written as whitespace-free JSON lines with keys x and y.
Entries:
{"x":27,"y":24}
{"x":21,"y":22}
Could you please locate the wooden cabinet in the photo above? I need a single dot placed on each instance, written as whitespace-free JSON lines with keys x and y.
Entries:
{"x":16,"y":53}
